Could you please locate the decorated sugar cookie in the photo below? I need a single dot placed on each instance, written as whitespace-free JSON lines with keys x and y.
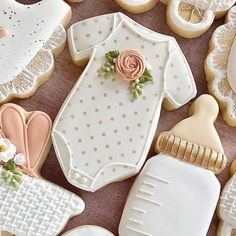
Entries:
{"x":105,"y":128}
{"x":137,"y":6}
{"x":188,"y":18}
{"x":88,"y":230}
{"x":191,"y":18}
{"x":29,"y":204}
{"x":220,"y":67}
{"x":177,"y":189}
{"x":226,"y":209}
{"x":30,"y":35}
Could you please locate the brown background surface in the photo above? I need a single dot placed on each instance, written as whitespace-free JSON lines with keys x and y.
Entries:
{"x":104,"y":208}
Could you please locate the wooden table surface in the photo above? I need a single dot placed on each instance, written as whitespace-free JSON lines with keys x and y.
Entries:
{"x":104,"y":207}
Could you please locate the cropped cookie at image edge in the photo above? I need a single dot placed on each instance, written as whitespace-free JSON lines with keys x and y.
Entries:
{"x":36,"y":40}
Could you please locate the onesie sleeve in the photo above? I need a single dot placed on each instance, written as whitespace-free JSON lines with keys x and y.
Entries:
{"x":84,"y":35}
{"x":179,"y":82}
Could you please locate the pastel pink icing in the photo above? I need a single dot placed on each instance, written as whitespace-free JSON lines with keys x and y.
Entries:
{"x":3,"y":32}
{"x":130,"y":64}
{"x":29,"y":132}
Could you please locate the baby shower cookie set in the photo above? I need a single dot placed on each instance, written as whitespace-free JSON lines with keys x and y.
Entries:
{"x":106,"y":125}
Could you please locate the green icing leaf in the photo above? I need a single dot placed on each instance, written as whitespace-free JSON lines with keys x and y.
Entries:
{"x":111,"y":55}
{"x":11,"y":175}
{"x":108,"y":69}
{"x":136,"y":87}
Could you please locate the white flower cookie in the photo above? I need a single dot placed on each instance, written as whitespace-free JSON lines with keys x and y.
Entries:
{"x":220,"y":67}
{"x":30,"y":37}
{"x":88,"y":230}
{"x":226,"y":208}
{"x":29,"y":204}
{"x":105,"y":128}
{"x":177,"y":190}
{"x":188,"y":18}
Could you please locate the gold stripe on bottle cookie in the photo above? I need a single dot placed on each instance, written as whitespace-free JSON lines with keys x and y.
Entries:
{"x":192,"y":153}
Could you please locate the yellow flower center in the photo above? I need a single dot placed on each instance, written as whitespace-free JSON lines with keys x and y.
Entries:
{"x":3,"y":148}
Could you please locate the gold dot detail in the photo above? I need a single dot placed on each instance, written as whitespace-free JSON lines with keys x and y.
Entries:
{"x":86,"y":164}
{"x":64,"y":131}
{"x":83,"y":152}
{"x":112,"y":118}
{"x":72,"y":116}
{"x":115,"y":41}
{"x":98,"y":161}
{"x":91,"y":137}
{"x":110,"y":158}
{"x":95,"y":149}
{"x":87,"y":35}
{"x":81,"y":101}
{"x":88,"y":125}
{"x":127,"y":38}
{"x":93,"y":98}
{"x":99,"y":32}
{"x":97,"y":110}
{"x":76,"y":128}
{"x":103,"y":134}
{"x":79,"y":140}
{"x":114,"y":169}
{"x":84,"y":113}
{"x":107,"y":146}
{"x":100,"y":122}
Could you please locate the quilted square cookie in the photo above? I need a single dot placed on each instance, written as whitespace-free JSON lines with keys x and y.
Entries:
{"x":29,"y":204}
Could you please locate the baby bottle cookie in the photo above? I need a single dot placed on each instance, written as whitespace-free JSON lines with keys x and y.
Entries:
{"x":106,"y":125}
{"x":168,"y":193}
{"x":30,"y":37}
{"x":226,"y":209}
{"x":220,"y":67}
{"x":29,"y":204}
{"x":88,"y":230}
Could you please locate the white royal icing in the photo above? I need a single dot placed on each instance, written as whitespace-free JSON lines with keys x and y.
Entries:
{"x":37,"y":208}
{"x":88,"y":230}
{"x":34,"y":31}
{"x":100,"y":135}
{"x":221,"y":64}
{"x":227,"y":210}
{"x":170,"y":196}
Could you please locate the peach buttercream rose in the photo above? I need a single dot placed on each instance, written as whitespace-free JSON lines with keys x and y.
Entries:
{"x":3,"y":32}
{"x":130,"y":64}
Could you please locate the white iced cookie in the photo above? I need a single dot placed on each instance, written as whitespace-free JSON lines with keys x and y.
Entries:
{"x":191,"y":18}
{"x":30,"y":205}
{"x":168,"y":193}
{"x":30,"y":36}
{"x":220,"y":67}
{"x":131,"y":70}
{"x":226,"y":208}
{"x":137,"y":6}
{"x":88,"y":230}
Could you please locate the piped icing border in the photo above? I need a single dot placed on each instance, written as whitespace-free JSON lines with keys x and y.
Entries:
{"x":216,"y":67}
{"x":192,"y":153}
{"x":36,"y":71}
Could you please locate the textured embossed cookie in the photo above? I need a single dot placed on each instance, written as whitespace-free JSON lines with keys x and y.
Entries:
{"x":30,"y":37}
{"x":220,"y":67}
{"x":30,"y":205}
{"x":131,"y":70}
{"x":168,"y":193}
{"x":226,"y":208}
{"x":88,"y":230}
{"x":188,"y":18}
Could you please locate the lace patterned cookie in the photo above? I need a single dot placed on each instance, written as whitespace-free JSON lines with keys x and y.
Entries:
{"x":226,"y":209}
{"x":220,"y":67}
{"x":188,"y":18}
{"x":30,"y":205}
{"x":177,"y":189}
{"x":88,"y":230}
{"x":30,"y":37}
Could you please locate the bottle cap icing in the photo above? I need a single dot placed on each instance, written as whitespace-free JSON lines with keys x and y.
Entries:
{"x":195,"y":139}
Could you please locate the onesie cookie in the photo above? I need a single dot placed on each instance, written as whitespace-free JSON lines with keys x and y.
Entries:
{"x":105,"y":127}
{"x":88,"y":230}
{"x":168,"y":193}
{"x":226,"y":209}
{"x":29,"y":204}
{"x":137,"y":6}
{"x":30,"y":37}
{"x":220,"y":67}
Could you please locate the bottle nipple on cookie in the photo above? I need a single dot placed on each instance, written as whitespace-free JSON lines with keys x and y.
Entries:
{"x":199,"y":127}
{"x":3,"y":32}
